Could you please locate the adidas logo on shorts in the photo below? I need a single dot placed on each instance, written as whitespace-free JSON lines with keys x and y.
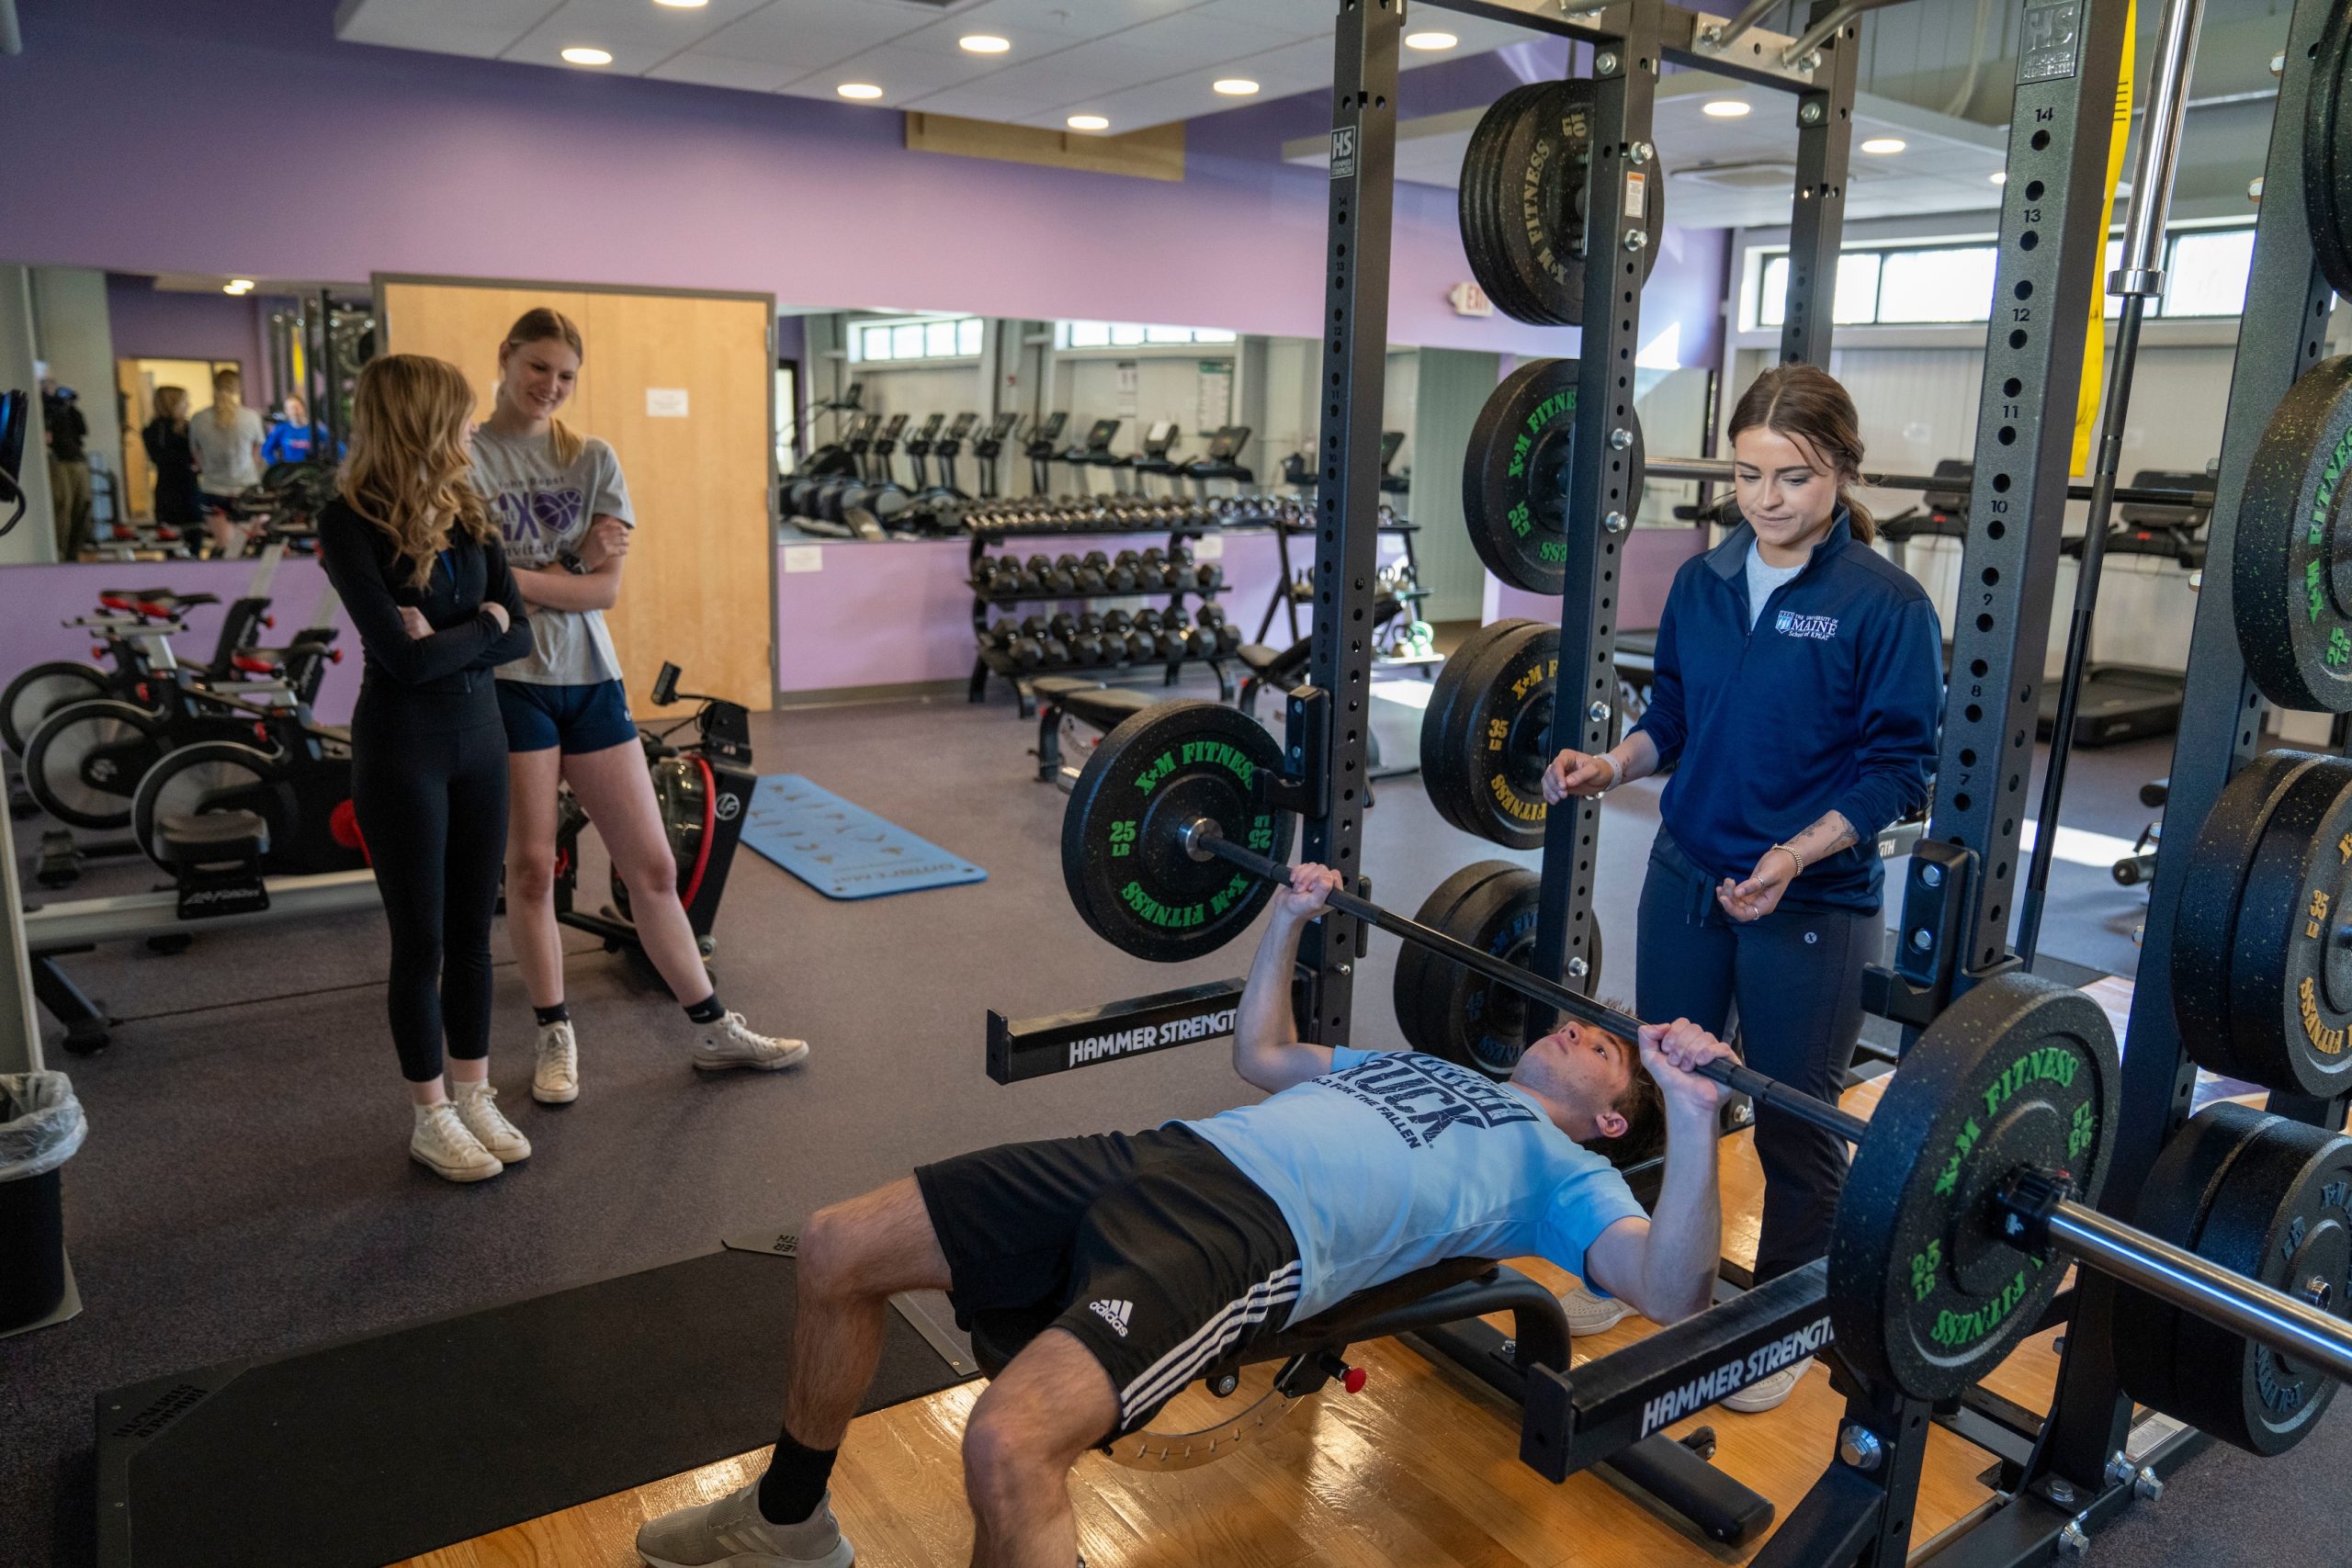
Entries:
{"x":1116,"y":1313}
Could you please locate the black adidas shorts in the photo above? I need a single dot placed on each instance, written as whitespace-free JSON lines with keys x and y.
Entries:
{"x":1153,"y":1249}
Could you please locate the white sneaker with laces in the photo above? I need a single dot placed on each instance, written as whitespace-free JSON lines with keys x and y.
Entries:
{"x":730,"y":1533}
{"x":1769,"y":1394}
{"x":440,"y":1142}
{"x":1590,"y":1314}
{"x":555,"y":1076}
{"x":731,"y":1042}
{"x":476,"y":1106}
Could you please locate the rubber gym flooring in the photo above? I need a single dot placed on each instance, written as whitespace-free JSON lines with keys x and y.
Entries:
{"x":246,"y":1189}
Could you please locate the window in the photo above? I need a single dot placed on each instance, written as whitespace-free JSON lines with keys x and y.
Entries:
{"x":2205,"y":275}
{"x":930,"y":337}
{"x":1131,"y":334}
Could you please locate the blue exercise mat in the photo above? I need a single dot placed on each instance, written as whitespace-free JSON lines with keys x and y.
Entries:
{"x":842,"y":850}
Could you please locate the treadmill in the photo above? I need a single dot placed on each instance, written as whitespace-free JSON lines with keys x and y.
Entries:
{"x":2132,"y":702}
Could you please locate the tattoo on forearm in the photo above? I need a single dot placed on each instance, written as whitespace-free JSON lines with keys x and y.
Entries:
{"x":1827,"y":837}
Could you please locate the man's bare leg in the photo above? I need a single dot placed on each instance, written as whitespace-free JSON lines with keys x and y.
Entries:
{"x":1052,"y":1403}
{"x":854,"y":1256}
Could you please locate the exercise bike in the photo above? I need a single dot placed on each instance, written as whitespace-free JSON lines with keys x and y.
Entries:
{"x":703,"y":788}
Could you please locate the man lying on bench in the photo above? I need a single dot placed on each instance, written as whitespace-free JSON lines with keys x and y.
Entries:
{"x":1169,"y":1250}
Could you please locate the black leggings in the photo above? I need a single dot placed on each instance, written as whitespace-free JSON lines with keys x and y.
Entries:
{"x":428,"y":781}
{"x":1797,"y":976}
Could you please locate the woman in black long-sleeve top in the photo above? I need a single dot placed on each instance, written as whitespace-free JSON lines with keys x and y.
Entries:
{"x":417,"y":561}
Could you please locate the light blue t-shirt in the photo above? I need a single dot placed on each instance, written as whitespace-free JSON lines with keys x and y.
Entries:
{"x":1396,"y":1160}
{"x":1763,"y":582}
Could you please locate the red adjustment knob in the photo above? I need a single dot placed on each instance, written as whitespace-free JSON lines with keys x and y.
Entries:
{"x":270,"y":621}
{"x":1354,"y":1381}
{"x":98,"y":650}
{"x":335,"y":656}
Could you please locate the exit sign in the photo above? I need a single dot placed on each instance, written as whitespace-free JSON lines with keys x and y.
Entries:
{"x":1469,"y":299}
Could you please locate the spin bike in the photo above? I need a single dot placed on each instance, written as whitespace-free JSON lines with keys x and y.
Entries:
{"x":703,"y":787}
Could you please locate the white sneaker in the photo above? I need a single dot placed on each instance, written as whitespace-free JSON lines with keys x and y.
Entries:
{"x":730,"y":1533}
{"x":441,"y":1143}
{"x":1590,"y":1314}
{"x":476,"y":1106}
{"x":1769,"y":1394}
{"x":555,"y":1078}
{"x":730,"y":1043}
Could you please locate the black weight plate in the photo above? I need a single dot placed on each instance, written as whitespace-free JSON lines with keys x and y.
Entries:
{"x":2290,"y":974}
{"x":1544,"y":169}
{"x":1515,"y":476}
{"x":2172,"y":1205}
{"x":1468,"y":1017}
{"x":2292,"y":570}
{"x":1925,"y":1291}
{"x":1445,"y":748}
{"x":2329,"y":218}
{"x":2207,"y":919}
{"x":1413,"y":959}
{"x":1480,"y":199}
{"x":1506,"y":720}
{"x":1122,"y":860}
{"x":2282,"y":1215}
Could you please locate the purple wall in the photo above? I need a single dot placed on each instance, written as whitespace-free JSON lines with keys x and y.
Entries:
{"x":155,"y":324}
{"x":429,"y":150}
{"x":1652,"y":556}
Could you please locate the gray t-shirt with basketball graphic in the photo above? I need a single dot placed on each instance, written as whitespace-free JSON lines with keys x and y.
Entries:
{"x":543,"y":509}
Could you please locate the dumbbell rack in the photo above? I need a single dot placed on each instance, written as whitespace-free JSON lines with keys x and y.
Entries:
{"x":990,"y":661}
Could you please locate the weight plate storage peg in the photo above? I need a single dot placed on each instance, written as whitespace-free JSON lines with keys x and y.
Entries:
{"x":1515,"y":477}
{"x":2292,"y":571}
{"x":2269,"y":1198}
{"x":1123,"y":857}
{"x":1525,"y":193}
{"x":1926,"y":1291}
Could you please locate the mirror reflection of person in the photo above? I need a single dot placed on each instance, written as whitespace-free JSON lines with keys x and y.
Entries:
{"x":69,"y":465}
{"x":227,"y":437}
{"x":178,"y":503}
{"x":558,"y":499}
{"x":293,"y":438}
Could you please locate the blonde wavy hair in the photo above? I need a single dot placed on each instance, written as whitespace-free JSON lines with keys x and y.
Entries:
{"x":228,"y":389}
{"x":408,"y":471}
{"x":545,"y":324}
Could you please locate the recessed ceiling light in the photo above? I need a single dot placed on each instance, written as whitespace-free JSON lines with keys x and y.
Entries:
{"x":1088,"y":122}
{"x":237,"y":286}
{"x":858,"y":90}
{"x":1885,"y":145}
{"x":583,"y":55}
{"x":683,"y":5}
{"x":1725,"y":108}
{"x":2001,"y":178}
{"x":983,"y":43}
{"x":1431,"y":40}
{"x":1235,"y":87}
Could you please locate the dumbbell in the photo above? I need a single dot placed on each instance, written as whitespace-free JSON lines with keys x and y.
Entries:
{"x":1093,"y":573}
{"x":1198,"y":644}
{"x":1055,"y":653}
{"x":1063,"y":578}
{"x":1209,"y":576}
{"x":1034,"y":626}
{"x":1120,"y":629}
{"x":998,"y":635}
{"x":1228,"y":636}
{"x":1121,"y":579}
{"x":1166,"y":644}
{"x":1064,"y":625}
{"x":1039,"y":572}
{"x":1181,"y":572}
{"x":1027,"y":653}
{"x":1086,"y":645}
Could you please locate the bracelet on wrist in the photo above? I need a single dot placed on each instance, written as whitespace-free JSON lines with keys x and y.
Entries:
{"x":1794,"y":856}
{"x":1616,"y":772}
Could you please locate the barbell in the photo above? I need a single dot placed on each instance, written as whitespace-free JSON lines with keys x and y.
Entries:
{"x":1977,"y":1174}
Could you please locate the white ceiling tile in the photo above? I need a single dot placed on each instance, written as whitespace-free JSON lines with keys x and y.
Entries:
{"x":1078,"y":72}
{"x":718,"y":70}
{"x":807,"y":34}
{"x":1066,"y":18}
{"x":1189,"y":37}
{"x":904,"y":74}
{"x":1156,"y":103}
{"x":974,"y":101}
{"x":637,"y":33}
{"x":477,"y":28}
{"x":1299,"y":18}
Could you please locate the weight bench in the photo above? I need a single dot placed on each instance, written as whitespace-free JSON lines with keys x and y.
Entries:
{"x":1427,"y":1302}
{"x":1281,"y":668}
{"x":1089,"y":700}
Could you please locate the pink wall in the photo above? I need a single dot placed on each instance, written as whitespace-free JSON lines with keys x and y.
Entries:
{"x":42,"y":597}
{"x":1650,"y":558}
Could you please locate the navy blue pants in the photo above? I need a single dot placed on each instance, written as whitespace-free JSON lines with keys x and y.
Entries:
{"x":1796,"y":978}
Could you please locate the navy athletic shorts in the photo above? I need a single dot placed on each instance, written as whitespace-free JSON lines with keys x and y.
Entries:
{"x":581,"y":719}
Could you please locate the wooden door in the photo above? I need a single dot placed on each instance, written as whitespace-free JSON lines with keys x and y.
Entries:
{"x":699,"y":588}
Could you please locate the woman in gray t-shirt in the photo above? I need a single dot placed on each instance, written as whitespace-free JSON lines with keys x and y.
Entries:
{"x":560,"y":499}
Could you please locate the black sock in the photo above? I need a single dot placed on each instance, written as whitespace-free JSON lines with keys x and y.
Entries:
{"x":559,"y":1013}
{"x":794,"y":1483}
{"x":710,"y":1009}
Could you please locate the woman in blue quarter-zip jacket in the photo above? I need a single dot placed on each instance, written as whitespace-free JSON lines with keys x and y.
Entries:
{"x":1798,"y":691}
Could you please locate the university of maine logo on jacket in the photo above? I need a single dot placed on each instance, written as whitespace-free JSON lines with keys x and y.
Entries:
{"x":1819,"y":627}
